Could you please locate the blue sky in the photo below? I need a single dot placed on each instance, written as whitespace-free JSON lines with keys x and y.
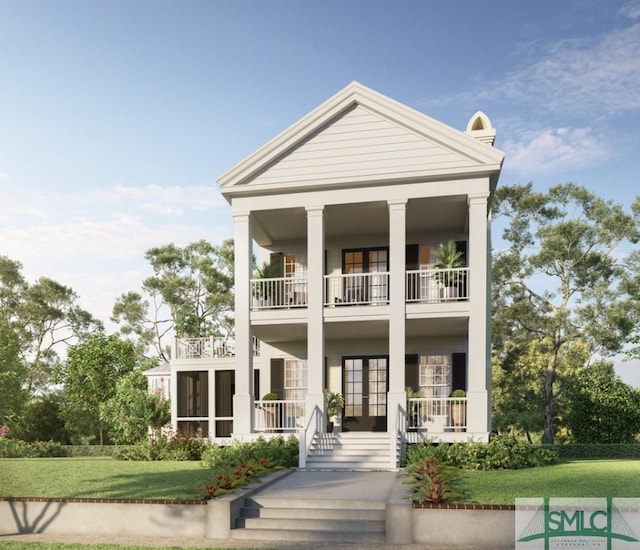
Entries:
{"x":116,"y":117}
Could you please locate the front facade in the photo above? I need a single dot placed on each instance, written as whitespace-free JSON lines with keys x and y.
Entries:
{"x":347,"y":209}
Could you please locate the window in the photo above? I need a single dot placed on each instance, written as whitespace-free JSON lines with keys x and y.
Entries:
{"x":435,"y":379}
{"x":295,"y":379}
{"x":193,"y":402}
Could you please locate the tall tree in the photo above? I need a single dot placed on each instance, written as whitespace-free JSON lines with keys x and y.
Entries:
{"x":189,"y":293}
{"x":90,"y":376}
{"x":603,"y":408}
{"x":13,"y":375}
{"x":46,"y":317}
{"x":559,"y":279}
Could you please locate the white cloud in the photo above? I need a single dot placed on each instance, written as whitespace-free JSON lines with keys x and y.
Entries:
{"x":582,"y":76}
{"x":95,"y":241}
{"x":549,"y":150}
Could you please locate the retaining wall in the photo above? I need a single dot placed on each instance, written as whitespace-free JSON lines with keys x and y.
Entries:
{"x":433,"y":526}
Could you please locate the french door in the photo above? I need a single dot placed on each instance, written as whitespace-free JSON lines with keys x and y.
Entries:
{"x":365,"y":393}
{"x":370,"y":288}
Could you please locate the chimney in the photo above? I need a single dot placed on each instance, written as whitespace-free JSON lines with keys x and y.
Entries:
{"x":480,"y":128}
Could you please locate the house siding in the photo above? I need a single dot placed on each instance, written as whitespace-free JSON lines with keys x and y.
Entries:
{"x":363,"y":143}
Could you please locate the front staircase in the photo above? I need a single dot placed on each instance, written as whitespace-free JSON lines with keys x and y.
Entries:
{"x":350,"y":451}
{"x":334,"y":520}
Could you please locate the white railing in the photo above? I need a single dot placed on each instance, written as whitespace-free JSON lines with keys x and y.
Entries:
{"x":279,"y":415}
{"x":357,"y":289}
{"x":315,"y":425}
{"x":441,"y":414}
{"x":279,"y":292}
{"x":437,"y":285}
{"x":208,"y":347}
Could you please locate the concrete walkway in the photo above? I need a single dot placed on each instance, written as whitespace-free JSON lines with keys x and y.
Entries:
{"x":344,"y":485}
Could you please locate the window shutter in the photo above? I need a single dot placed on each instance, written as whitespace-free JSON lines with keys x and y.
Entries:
{"x":459,"y":372}
{"x":256,"y":384}
{"x":461,"y":246}
{"x":277,"y":259}
{"x":277,"y":377}
{"x":412,"y":372}
{"x":412,"y":258}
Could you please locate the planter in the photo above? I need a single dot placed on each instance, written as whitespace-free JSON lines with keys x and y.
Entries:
{"x":459,"y":417}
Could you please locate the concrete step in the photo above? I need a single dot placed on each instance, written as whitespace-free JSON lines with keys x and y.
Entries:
{"x":350,"y":450}
{"x":310,"y":503}
{"x":347,"y":514}
{"x":302,"y":524}
{"x":308,"y":536}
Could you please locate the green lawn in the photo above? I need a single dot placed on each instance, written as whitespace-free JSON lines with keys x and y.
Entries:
{"x":577,"y":478}
{"x":102,"y":477}
{"x":12,"y":545}
{"x":109,"y":478}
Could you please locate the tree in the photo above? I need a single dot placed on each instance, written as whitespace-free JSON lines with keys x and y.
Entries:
{"x":45,"y":316}
{"x":193,"y":285}
{"x":559,"y":279}
{"x":603,"y":408}
{"x":13,"y":375}
{"x":90,"y":376}
{"x":132,"y":410}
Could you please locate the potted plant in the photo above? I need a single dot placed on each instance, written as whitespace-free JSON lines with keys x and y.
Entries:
{"x":449,"y":258}
{"x":334,"y":405}
{"x":264,"y":292}
{"x":270,"y":410}
{"x":458,"y":410}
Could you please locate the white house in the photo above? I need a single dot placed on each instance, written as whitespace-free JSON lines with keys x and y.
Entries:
{"x":349,"y":206}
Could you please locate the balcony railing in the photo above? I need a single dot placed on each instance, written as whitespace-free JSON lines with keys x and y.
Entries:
{"x":357,"y":289}
{"x":440,"y":414}
{"x":279,"y":416}
{"x":423,"y":285}
{"x":437,"y":285}
{"x":279,"y":292}
{"x":208,"y":347}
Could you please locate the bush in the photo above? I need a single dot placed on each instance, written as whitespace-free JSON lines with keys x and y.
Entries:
{"x":433,"y":481}
{"x":95,"y":450}
{"x":16,"y":448}
{"x":173,"y":446}
{"x":281,"y":452}
{"x":242,"y":463}
{"x":596,"y":450}
{"x":501,"y":453}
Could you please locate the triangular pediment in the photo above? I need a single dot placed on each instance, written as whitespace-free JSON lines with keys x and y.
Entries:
{"x":360,"y":137}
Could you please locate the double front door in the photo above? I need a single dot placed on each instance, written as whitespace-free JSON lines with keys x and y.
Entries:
{"x":365,"y":393}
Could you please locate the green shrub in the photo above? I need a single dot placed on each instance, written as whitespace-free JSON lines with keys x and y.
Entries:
{"x":228,"y":479}
{"x":281,"y":452}
{"x":433,"y":481}
{"x":596,"y":450}
{"x":174,"y":446}
{"x":15,"y":448}
{"x":95,"y":450}
{"x":501,"y":453}
{"x":241,"y":463}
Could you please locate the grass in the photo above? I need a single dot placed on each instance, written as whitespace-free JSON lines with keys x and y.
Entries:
{"x":101,"y":477}
{"x":105,"y":477}
{"x":570,"y":478}
{"x":12,"y":545}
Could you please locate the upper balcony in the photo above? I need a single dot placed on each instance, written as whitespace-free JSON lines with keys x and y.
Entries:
{"x":362,"y":289}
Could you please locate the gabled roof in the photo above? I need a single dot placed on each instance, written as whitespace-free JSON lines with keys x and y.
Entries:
{"x":359,"y":136}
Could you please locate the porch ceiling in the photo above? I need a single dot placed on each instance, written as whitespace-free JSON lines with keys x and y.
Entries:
{"x":442,"y":215}
{"x":355,"y":330}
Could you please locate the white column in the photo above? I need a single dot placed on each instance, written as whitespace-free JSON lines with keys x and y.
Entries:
{"x":478,"y":356}
{"x":315,"y":308}
{"x":243,"y":398}
{"x":397,"y":310}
